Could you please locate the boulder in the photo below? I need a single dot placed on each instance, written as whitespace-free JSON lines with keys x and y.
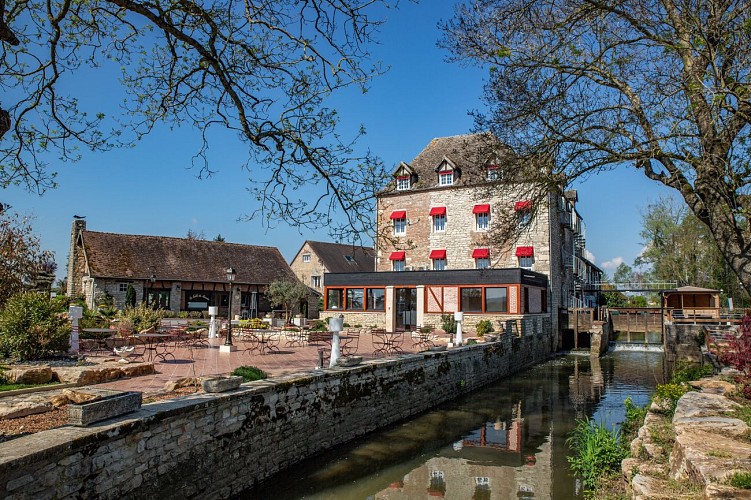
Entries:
{"x":32,"y":375}
{"x":181,"y":382}
{"x":20,"y":409}
{"x":713,"y":386}
{"x":349,"y":361}
{"x":221,"y":384}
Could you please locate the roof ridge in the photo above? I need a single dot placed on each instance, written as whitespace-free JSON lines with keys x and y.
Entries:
{"x":181,"y":239}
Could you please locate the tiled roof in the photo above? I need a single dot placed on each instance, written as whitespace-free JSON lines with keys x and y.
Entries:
{"x":112,"y":255}
{"x":470,"y":153}
{"x":334,"y":257}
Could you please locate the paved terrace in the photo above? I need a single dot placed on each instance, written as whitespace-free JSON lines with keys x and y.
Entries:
{"x":205,"y":361}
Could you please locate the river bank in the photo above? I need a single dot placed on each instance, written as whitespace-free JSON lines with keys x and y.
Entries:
{"x":702,"y":450}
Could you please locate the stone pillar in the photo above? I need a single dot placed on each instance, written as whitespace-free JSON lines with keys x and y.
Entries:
{"x":390,"y":313}
{"x":175,"y":297}
{"x":420,"y":320}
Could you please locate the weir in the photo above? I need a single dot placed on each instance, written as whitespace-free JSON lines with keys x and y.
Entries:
{"x":217,"y":445}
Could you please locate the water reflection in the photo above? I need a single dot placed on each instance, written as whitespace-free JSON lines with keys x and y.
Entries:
{"x":504,"y":441}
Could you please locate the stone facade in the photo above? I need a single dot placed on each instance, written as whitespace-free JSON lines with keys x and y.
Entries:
{"x":217,"y":445}
{"x":310,"y":272}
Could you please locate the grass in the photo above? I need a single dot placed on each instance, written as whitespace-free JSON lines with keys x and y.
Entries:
{"x":598,"y":451}
{"x":14,"y":387}
{"x":249,"y":373}
{"x":741,"y":480}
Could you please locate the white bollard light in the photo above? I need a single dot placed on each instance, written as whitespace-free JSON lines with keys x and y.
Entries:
{"x":74,"y":313}
{"x":459,"y":317}
{"x":213,"y":311}
{"x":335,"y":326}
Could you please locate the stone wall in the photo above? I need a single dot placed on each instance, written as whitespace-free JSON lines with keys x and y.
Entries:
{"x":217,"y":445}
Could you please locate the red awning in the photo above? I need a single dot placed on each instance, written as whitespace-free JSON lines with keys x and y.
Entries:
{"x":481,"y":209}
{"x":437,"y":211}
{"x":396,"y":256}
{"x":438,"y":254}
{"x":398,"y":214}
{"x":525,"y":251}
{"x":481,"y":253}
{"x":522,"y":205}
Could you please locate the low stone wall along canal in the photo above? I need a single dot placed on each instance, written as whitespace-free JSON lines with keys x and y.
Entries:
{"x":217,"y":445}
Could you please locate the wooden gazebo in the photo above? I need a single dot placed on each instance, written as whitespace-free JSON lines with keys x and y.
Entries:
{"x":691,"y":303}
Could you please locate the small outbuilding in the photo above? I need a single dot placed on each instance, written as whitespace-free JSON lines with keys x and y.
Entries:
{"x":692,"y":303}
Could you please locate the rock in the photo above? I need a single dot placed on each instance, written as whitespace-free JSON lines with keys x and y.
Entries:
{"x":349,"y":361}
{"x":32,"y":375}
{"x":113,"y":404}
{"x":221,"y":384}
{"x":136,"y":370}
{"x":180,"y":383}
{"x":23,"y":408}
{"x":88,"y":375}
{"x":78,"y":397}
{"x":714,"y":490}
{"x":713,"y":386}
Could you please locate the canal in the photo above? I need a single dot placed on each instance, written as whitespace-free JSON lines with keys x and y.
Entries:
{"x":506,"y":440}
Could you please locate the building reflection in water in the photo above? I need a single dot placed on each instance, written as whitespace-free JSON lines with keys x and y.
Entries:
{"x":488,"y":462}
{"x":504,"y":441}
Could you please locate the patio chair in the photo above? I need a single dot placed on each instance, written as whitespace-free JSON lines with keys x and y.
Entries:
{"x":349,"y":345}
{"x":380,"y":342}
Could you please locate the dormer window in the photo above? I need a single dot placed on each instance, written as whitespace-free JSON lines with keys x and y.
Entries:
{"x":493,"y":173}
{"x":403,"y":183}
{"x":446,"y":178}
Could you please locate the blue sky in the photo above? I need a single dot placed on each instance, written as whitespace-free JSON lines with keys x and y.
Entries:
{"x":150,"y":189}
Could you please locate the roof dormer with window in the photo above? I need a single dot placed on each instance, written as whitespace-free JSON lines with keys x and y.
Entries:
{"x":404,"y":177}
{"x":448,"y":173}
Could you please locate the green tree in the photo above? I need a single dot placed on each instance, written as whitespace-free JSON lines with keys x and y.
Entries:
{"x":130,"y":296}
{"x":23,"y":264}
{"x":581,"y":86}
{"x":256,"y":70}
{"x":288,"y":294}
{"x":219,"y":238}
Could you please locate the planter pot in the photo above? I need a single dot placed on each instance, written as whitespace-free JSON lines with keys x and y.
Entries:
{"x":108,"y":406}
{"x":221,"y":384}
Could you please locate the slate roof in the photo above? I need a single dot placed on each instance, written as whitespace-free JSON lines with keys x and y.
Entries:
{"x":470,"y":153}
{"x":111,"y":255}
{"x":333,"y":256}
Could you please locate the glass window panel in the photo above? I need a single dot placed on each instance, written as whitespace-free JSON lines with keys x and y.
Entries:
{"x":334,"y":298}
{"x":355,"y":298}
{"x":495,"y":299}
{"x":376,"y":299}
{"x":471,"y":300}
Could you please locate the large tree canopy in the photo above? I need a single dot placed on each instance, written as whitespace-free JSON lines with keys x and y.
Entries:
{"x":663,"y":86}
{"x":260,"y":68}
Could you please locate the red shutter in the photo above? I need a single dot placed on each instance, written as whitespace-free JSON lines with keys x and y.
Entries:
{"x":437,"y":211}
{"x":522,"y":205}
{"x":481,"y":209}
{"x":398,"y":214}
{"x":396,"y":256}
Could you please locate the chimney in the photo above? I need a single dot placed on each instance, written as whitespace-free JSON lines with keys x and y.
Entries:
{"x":75,"y":261}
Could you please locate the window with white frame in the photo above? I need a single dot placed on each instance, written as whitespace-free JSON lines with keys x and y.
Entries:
{"x":526,"y":262}
{"x":493,"y":173}
{"x":482,"y":221}
{"x":439,"y":222}
{"x":306,"y":257}
{"x":315,"y":281}
{"x":400,"y":227}
{"x":446,"y":178}
{"x":398,"y":265}
{"x":482,"y":263}
{"x":439,"y":264}
{"x":403,"y":183}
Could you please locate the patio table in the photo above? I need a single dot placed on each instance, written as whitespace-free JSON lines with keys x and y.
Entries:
{"x":156,"y":345}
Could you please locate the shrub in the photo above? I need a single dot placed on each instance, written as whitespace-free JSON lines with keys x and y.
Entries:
{"x":139,"y":318}
{"x":634,"y":418}
{"x":484,"y":326}
{"x":737,"y":351}
{"x":32,"y":327}
{"x":448,"y":323}
{"x":597,"y":451}
{"x":249,"y":373}
{"x":667,"y":395}
{"x":130,"y":296}
{"x":182,"y":315}
{"x":690,"y":373}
